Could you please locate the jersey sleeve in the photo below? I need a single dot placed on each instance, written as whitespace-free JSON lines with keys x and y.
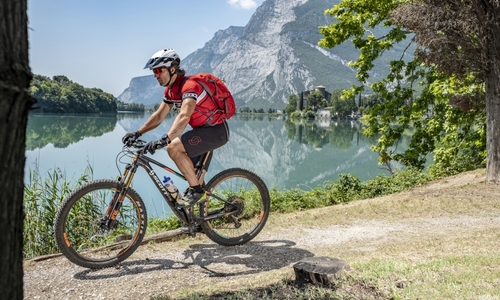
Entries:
{"x":192,"y":89}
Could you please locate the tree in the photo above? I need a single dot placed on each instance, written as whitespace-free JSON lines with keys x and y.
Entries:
{"x":245,"y":109}
{"x":344,"y":107}
{"x":15,"y":77}
{"x":61,"y":95}
{"x":462,"y":38}
{"x":292,"y":104}
{"x":451,"y":133}
{"x":315,"y":100}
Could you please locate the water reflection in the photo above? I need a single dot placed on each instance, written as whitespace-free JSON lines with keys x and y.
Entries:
{"x":285,"y":154}
{"x":338,"y":134}
{"x":130,"y":115}
{"x":64,"y":130}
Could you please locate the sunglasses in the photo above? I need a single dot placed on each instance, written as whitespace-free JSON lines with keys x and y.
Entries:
{"x":158,"y":71}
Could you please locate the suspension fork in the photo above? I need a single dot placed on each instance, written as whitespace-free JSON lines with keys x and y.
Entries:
{"x":117,"y":200}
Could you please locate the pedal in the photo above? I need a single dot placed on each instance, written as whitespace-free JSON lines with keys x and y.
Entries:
{"x":189,"y":231}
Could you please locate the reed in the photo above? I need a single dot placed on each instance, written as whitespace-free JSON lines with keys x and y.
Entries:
{"x":43,"y":196}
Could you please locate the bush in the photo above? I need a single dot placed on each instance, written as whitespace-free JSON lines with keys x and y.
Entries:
{"x":295,"y":115}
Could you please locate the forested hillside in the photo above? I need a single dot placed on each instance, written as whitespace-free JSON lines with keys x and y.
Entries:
{"x":61,"y":95}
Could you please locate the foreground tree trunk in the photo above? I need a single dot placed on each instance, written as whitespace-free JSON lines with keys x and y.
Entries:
{"x":491,"y":10}
{"x":15,"y":101}
{"x":493,"y":127}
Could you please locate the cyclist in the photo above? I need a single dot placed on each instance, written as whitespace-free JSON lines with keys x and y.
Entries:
{"x":185,"y":149}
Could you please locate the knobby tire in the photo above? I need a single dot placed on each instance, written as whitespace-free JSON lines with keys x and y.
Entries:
{"x":248,"y":207}
{"x":83,"y":241}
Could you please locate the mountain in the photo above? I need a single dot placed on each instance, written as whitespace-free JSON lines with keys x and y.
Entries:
{"x":274,"y":56}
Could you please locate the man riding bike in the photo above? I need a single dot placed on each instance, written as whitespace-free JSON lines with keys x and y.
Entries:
{"x":185,"y":149}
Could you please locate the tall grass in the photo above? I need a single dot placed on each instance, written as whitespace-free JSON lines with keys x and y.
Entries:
{"x":43,"y":195}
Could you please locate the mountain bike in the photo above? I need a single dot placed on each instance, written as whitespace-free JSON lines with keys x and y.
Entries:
{"x":102,"y":222}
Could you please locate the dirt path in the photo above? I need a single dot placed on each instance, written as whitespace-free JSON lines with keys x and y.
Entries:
{"x":352,"y":232}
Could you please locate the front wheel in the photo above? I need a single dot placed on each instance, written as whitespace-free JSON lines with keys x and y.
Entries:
{"x":87,"y":237}
{"x":241,"y":201}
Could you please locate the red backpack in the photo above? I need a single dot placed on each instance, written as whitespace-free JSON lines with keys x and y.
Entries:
{"x":224,"y":106}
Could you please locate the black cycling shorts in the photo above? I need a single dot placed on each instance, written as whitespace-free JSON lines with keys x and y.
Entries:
{"x":200,"y":140}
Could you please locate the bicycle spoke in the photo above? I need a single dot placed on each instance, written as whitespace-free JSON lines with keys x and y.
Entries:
{"x":88,"y":237}
{"x":245,"y":204}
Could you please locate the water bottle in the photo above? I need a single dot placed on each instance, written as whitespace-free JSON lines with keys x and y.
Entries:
{"x":170,"y":186}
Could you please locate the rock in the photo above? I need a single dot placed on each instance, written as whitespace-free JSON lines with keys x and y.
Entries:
{"x":320,"y":270}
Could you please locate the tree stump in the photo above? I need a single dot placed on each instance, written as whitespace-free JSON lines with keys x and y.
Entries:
{"x":320,"y":270}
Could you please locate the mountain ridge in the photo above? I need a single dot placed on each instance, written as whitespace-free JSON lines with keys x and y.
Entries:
{"x":274,"y":56}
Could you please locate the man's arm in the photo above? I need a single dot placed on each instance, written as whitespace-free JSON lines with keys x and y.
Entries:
{"x":182,"y":119}
{"x":156,"y":118}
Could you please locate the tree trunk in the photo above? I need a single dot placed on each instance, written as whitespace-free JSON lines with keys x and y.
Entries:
{"x":493,"y":126}
{"x":15,"y":101}
{"x":492,"y":87}
{"x":320,"y":270}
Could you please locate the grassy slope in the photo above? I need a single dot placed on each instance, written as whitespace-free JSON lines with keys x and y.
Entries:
{"x":438,"y":241}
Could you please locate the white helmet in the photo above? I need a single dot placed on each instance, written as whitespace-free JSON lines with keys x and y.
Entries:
{"x":163,"y":58}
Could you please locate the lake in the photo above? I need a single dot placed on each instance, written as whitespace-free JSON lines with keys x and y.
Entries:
{"x":284,"y":154}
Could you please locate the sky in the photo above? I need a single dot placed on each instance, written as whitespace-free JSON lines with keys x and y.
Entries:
{"x":105,"y":43}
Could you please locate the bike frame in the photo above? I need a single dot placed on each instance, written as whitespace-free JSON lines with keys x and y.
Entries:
{"x":143,"y":161}
{"x":184,"y":214}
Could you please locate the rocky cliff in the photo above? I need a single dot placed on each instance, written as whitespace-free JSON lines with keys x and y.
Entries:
{"x":274,"y":56}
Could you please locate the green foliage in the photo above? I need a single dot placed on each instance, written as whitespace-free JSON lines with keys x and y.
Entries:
{"x":292,"y":104}
{"x":344,"y":107}
{"x":400,"y":181}
{"x":157,"y":225}
{"x":371,"y":101}
{"x":309,"y":114}
{"x":61,"y":95}
{"x":315,"y":101}
{"x":245,"y":109}
{"x":411,"y":96}
{"x":295,"y":115}
{"x":347,"y":188}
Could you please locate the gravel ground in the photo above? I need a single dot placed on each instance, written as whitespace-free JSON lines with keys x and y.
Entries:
{"x":172,"y":267}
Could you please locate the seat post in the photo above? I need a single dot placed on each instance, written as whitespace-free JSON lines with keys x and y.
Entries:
{"x":201,"y":164}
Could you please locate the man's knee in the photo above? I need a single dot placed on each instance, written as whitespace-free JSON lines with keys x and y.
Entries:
{"x":175,"y":148}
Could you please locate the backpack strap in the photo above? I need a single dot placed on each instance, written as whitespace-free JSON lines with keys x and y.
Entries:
{"x":209,"y":92}
{"x":204,"y":86}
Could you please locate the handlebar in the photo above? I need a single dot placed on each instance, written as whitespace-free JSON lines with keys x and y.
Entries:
{"x":138,"y":144}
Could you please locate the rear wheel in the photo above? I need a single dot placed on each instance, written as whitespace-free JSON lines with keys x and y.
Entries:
{"x":241,"y":200}
{"x":87,"y":238}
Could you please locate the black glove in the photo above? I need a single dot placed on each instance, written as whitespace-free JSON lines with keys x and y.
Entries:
{"x":131,"y":137}
{"x":152,"y":146}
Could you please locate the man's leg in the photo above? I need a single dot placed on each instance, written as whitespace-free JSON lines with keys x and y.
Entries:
{"x":178,"y":154}
{"x":191,"y":144}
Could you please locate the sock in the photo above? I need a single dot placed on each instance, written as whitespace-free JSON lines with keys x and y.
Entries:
{"x":197,"y":188}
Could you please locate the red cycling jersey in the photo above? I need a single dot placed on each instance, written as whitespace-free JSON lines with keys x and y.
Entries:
{"x":188,"y":88}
